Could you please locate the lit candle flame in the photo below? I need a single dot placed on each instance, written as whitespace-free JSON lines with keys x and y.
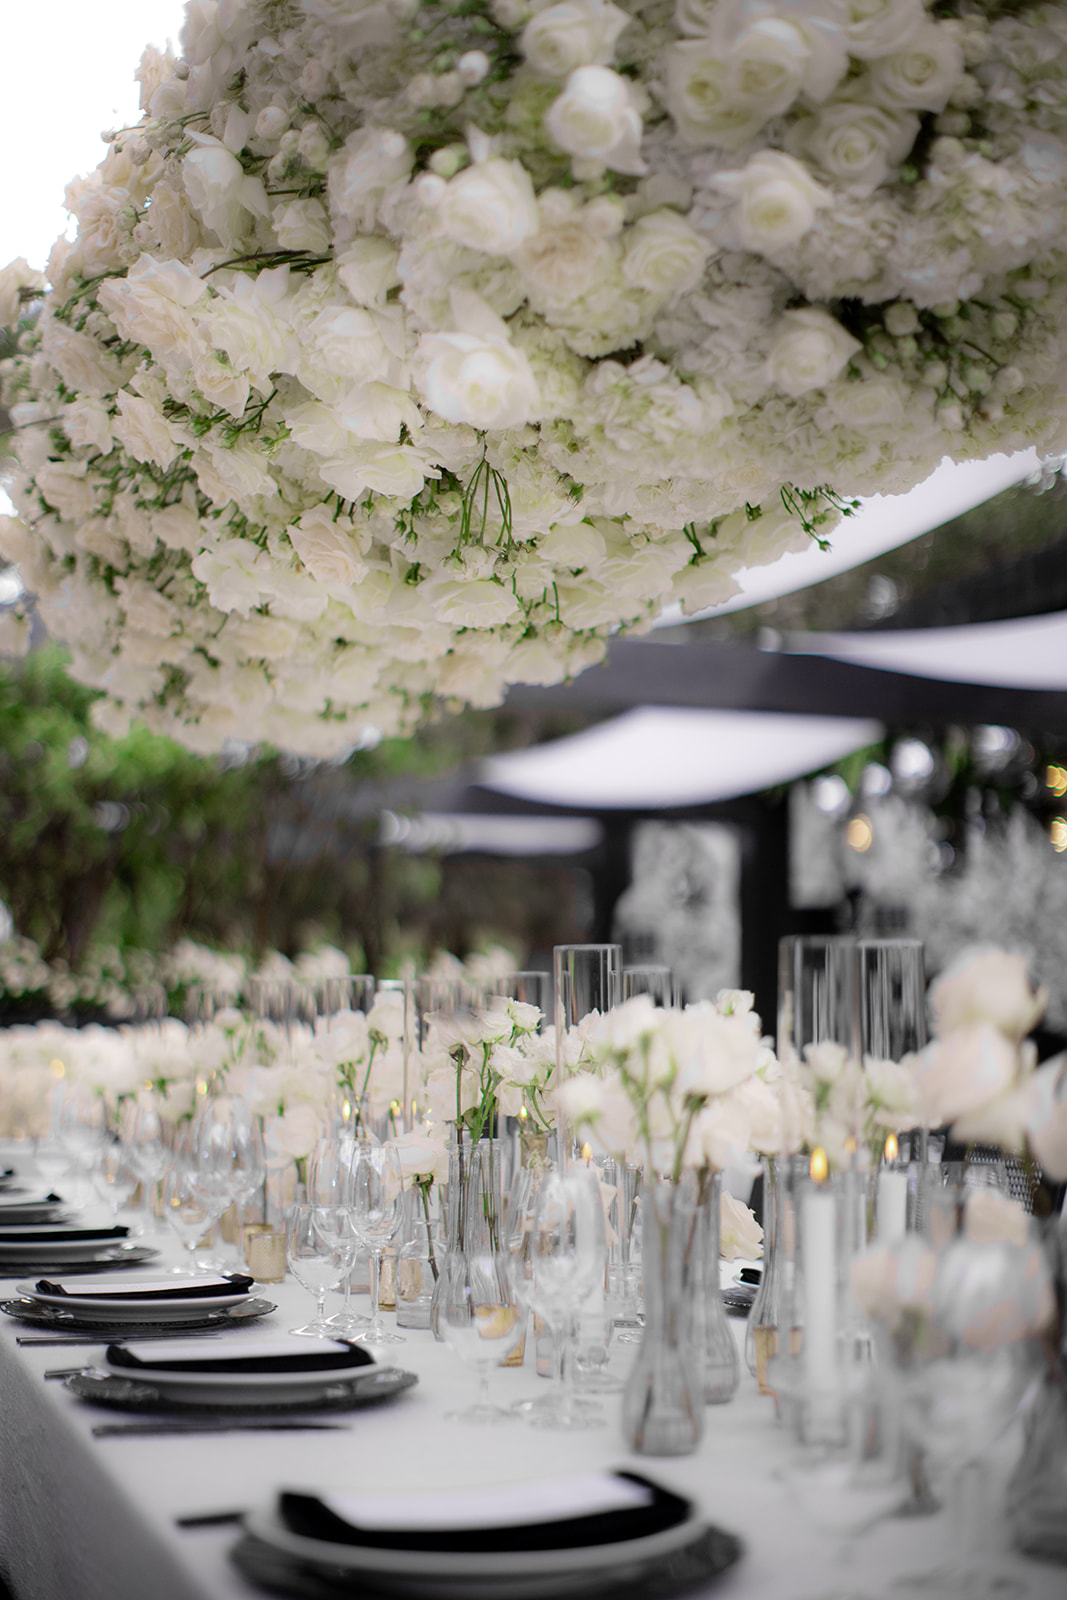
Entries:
{"x":820,"y":1167}
{"x":522,"y":1113}
{"x":57,"y":1069}
{"x":587,"y":1153}
{"x":891,"y":1147}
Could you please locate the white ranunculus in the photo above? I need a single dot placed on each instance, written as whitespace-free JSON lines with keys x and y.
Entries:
{"x":328,"y":548}
{"x":859,"y":144}
{"x":808,"y":351}
{"x":576,"y":33}
{"x":777,"y":199}
{"x":875,"y":27}
{"x":698,"y":97}
{"x":664,"y":254}
{"x":478,"y":379}
{"x":596,"y":120}
{"x":987,"y":986}
{"x":490,"y":207}
{"x":922,"y":75}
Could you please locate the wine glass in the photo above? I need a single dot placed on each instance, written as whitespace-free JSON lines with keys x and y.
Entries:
{"x":226,"y":1159}
{"x":141,"y":1131}
{"x":377,"y":1210}
{"x":318,"y":1250}
{"x":329,"y":1183}
{"x":481,"y":1321}
{"x":114,"y":1176}
{"x":187,"y":1214}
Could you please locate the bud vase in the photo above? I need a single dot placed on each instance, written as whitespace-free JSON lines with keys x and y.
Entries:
{"x":663,"y":1402}
{"x":713,"y":1340}
{"x":470,"y":1207}
{"x":764,"y":1317}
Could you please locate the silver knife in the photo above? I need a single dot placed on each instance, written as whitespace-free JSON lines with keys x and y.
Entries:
{"x":112,"y":1430}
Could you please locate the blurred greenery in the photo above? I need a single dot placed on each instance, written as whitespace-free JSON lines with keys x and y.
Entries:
{"x":137,"y":843}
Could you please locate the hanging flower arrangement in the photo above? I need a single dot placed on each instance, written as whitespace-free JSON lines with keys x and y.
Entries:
{"x":407,"y":349}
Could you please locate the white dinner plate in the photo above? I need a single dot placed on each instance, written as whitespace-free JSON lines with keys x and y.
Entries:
{"x":115,"y":1296}
{"x":472,"y":1566}
{"x":221,"y":1388}
{"x":55,"y":1248}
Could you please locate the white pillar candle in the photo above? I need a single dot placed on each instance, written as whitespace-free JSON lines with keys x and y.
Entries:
{"x":818,"y":1215}
{"x":892,"y":1205}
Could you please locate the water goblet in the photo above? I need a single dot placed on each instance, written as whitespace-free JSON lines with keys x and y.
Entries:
{"x":377,"y":1210}
{"x":187,"y":1215}
{"x":114,"y":1176}
{"x":318,"y":1251}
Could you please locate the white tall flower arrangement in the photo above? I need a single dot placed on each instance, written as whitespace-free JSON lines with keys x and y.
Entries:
{"x":407,"y":349}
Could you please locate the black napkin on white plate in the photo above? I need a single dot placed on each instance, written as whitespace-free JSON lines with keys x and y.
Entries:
{"x":209,"y":1289}
{"x":660,"y":1509}
{"x":332,"y":1357}
{"x":58,"y":1234}
{"x":17,"y":1200}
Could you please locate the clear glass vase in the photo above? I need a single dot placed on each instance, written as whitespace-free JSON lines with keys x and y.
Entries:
{"x":473,"y":1212}
{"x":765,"y":1313}
{"x":713,"y":1340}
{"x":417,"y":1263}
{"x":663,"y":1402}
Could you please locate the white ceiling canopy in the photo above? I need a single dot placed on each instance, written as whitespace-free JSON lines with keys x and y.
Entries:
{"x":1024,"y":653}
{"x":882,"y":523}
{"x":659,"y":757}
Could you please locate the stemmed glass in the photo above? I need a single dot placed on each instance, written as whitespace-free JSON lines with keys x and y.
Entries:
{"x":141,"y":1131}
{"x":187,"y":1214}
{"x":226,"y":1159}
{"x":114,"y":1176}
{"x":319,"y":1247}
{"x":377,"y":1211}
{"x":558,"y":1257}
{"x":481,"y":1321}
{"x":329,"y":1183}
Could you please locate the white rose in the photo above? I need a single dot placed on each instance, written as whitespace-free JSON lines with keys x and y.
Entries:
{"x":87,"y":421}
{"x":373,"y":159}
{"x":987,"y":986}
{"x":968,"y":1069}
{"x":483,"y":603}
{"x":328,"y":549}
{"x":142,"y":431}
{"x":739,"y":1232}
{"x":83,"y":364}
{"x":777,"y":199}
{"x":296,"y":1133}
{"x":1046,"y":1117}
{"x":808,"y":351}
{"x":479,"y":379}
{"x":63,"y":485}
{"x":766,"y":67}
{"x":858,"y":144}
{"x":224,"y":197}
{"x":367,"y":269}
{"x":875,"y":27}
{"x":350,"y":343}
{"x":922,"y":75}
{"x":490,"y":207}
{"x":578,"y":33}
{"x":302,"y":225}
{"x":699,"y":99}
{"x":14,"y":278}
{"x":595,"y":120}
{"x":664,"y":254}
{"x":399,"y":470}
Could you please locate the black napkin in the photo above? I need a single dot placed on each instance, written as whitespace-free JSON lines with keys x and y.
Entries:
{"x":8,"y":1204}
{"x":60,"y":1235}
{"x":339,"y":1357}
{"x":238,"y":1284}
{"x":305,"y":1515}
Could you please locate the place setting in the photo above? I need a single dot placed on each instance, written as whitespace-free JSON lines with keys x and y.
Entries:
{"x":597,"y":1534}
{"x":146,"y":1305}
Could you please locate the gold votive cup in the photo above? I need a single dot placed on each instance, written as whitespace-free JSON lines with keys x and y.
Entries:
{"x":264,"y":1252}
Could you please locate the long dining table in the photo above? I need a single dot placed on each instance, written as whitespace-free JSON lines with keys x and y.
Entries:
{"x":122,"y":1517}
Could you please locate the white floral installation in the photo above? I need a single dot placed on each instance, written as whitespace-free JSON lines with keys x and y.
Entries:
{"x":407,"y":350}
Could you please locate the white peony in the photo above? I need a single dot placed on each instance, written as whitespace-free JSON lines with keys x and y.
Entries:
{"x":808,"y":351}
{"x":596,"y":121}
{"x":576,"y":33}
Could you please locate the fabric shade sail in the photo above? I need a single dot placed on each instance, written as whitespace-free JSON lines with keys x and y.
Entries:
{"x":1023,"y":653}
{"x":658,"y":758}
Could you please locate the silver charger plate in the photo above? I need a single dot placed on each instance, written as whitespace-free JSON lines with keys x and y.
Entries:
{"x":709,"y":1553}
{"x":112,"y":1258}
{"x":371,"y":1386}
{"x":39,"y":1316}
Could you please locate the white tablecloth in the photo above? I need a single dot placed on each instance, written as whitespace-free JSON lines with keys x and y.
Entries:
{"x":93,"y":1519}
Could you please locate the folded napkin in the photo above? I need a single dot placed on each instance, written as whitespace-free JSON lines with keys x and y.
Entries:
{"x":56,"y":1233}
{"x":151,"y":1289}
{"x":241,"y":1356}
{"x":564,"y":1514}
{"x":19,"y":1200}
